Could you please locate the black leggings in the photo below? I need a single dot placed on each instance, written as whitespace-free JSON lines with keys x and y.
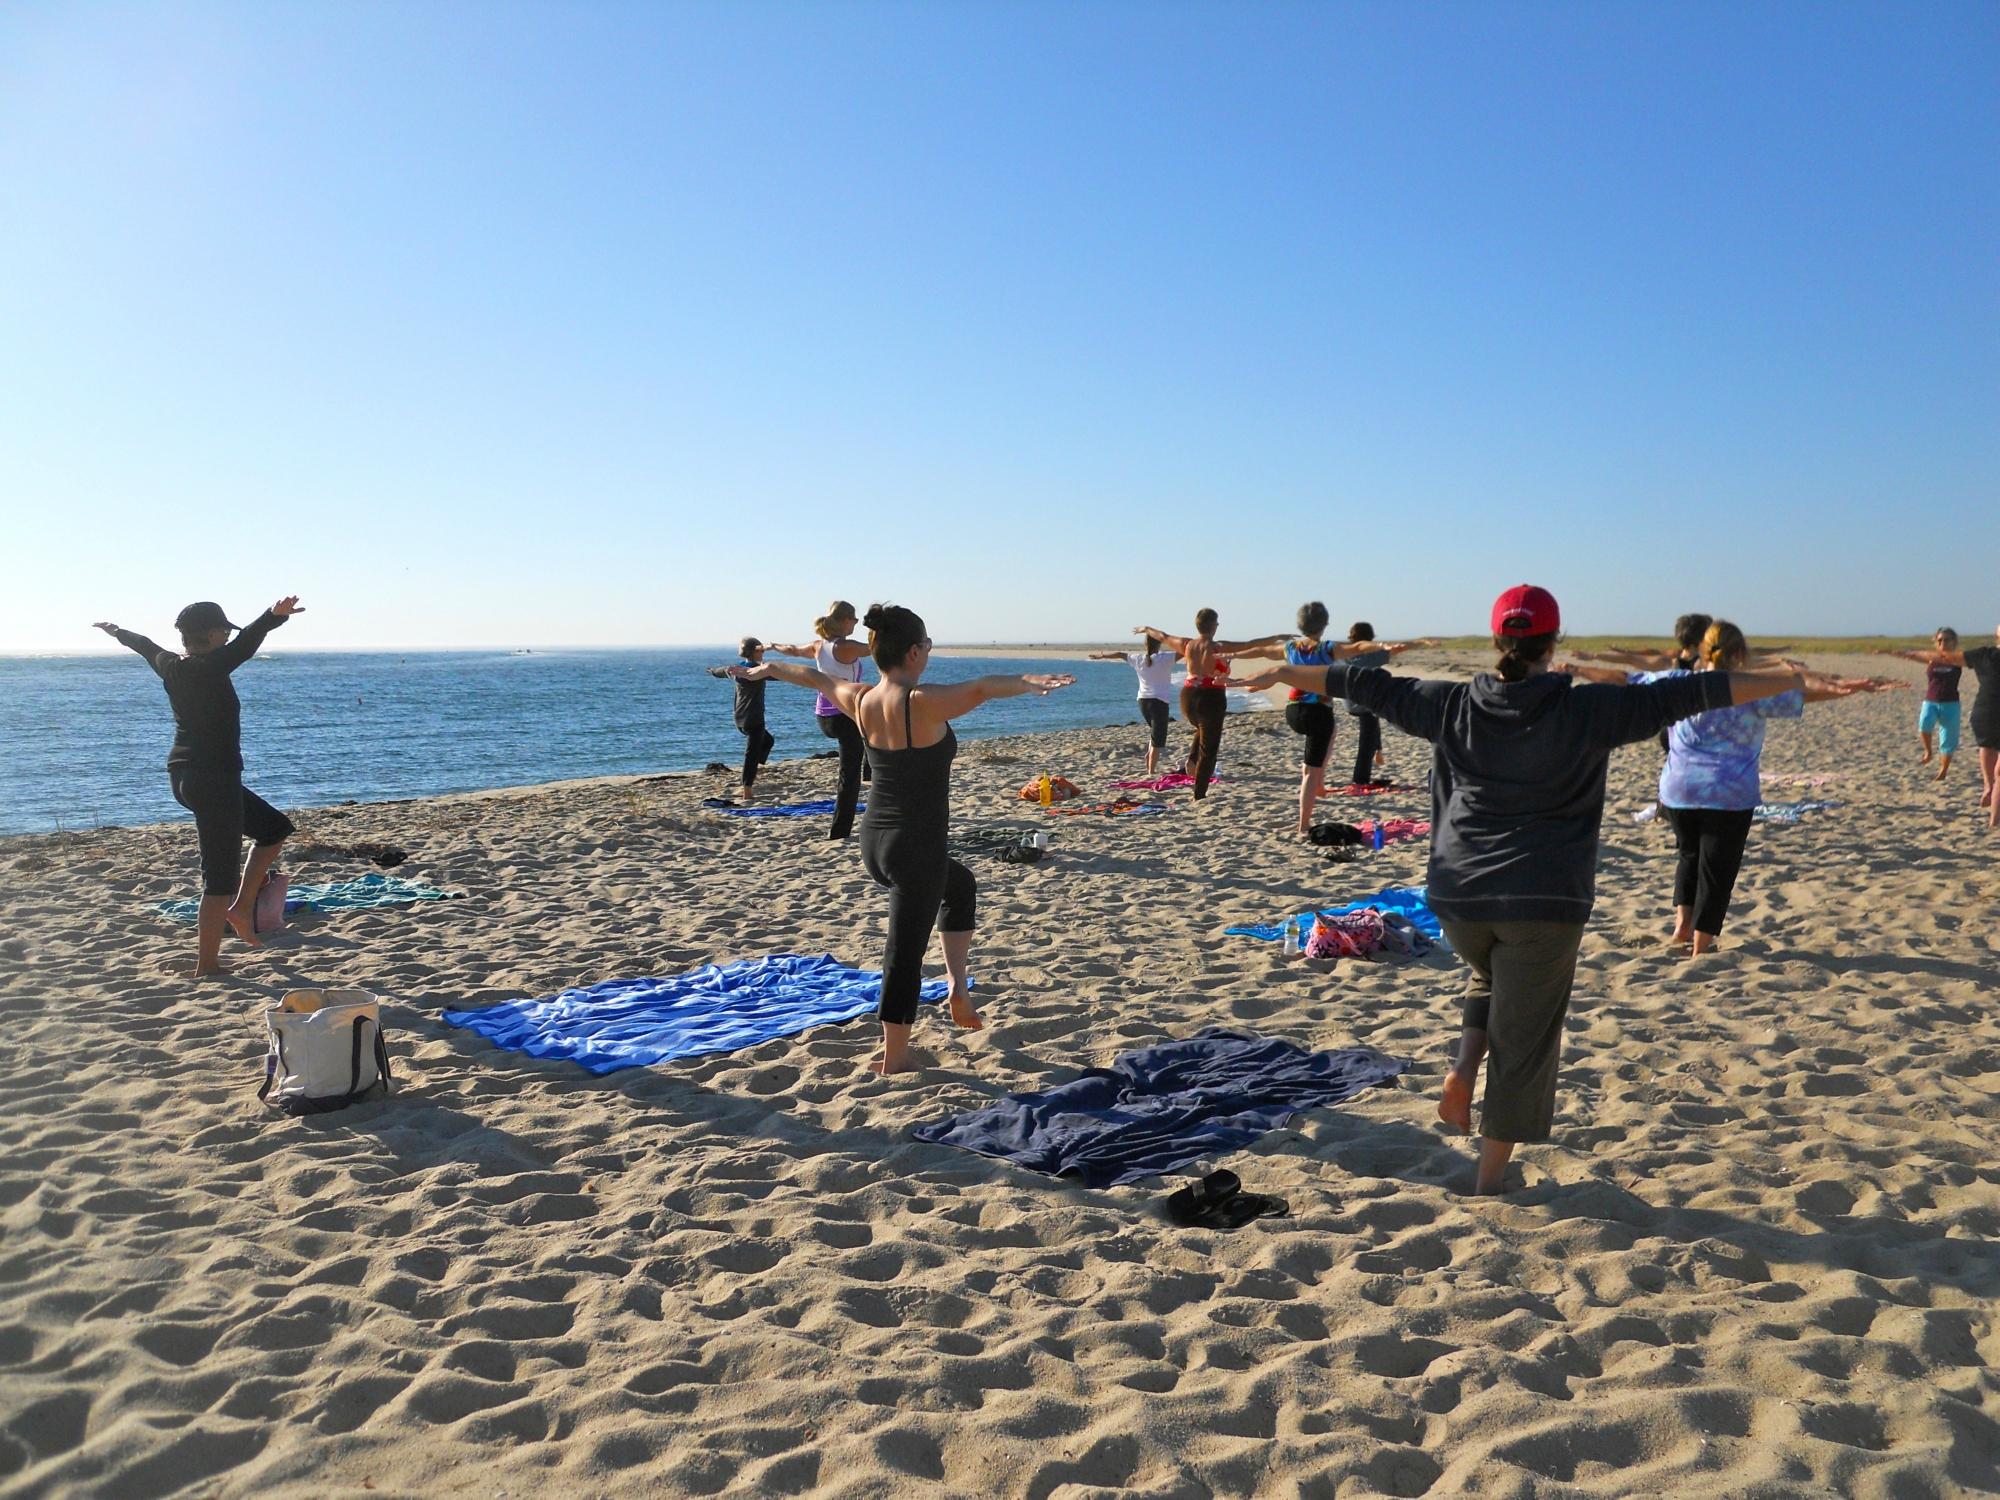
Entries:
{"x":923,"y":881}
{"x":1368,"y":731}
{"x":841,"y":728}
{"x":225,"y":810}
{"x":1315,"y":722}
{"x":758,"y":742}
{"x":1711,"y":852}
{"x":1204,"y":709}
{"x":1154,"y":712}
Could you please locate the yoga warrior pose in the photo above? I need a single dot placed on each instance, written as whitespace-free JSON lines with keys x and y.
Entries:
{"x":907,"y":730}
{"x":758,"y":741}
{"x":1710,"y":785}
{"x":1938,"y":717}
{"x":837,"y":657}
{"x":1205,"y":693}
{"x":205,"y":765}
{"x":1155,"y":669}
{"x":1517,"y":797}
{"x":1985,"y":717}
{"x":1311,"y":714}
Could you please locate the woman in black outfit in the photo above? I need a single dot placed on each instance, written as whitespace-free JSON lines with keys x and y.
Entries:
{"x":907,"y":730}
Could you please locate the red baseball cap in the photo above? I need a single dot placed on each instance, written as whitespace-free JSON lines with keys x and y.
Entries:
{"x":1526,"y":610}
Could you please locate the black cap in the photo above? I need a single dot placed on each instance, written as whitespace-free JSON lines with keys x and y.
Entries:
{"x":206,"y":615}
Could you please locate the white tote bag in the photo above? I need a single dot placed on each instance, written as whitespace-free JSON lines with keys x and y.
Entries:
{"x":326,"y":1050}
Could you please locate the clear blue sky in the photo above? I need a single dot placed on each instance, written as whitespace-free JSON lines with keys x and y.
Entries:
{"x":642,"y":323}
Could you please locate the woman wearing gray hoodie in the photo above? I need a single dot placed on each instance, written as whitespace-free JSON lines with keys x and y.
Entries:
{"x":1517,"y":797}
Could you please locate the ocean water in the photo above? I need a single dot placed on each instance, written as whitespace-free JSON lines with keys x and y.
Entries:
{"x":83,"y":740}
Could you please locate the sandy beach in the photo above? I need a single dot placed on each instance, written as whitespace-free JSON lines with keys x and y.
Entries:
{"x":1759,"y":1257}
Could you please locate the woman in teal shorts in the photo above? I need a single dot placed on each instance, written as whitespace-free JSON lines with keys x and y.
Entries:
{"x":1938,"y":718}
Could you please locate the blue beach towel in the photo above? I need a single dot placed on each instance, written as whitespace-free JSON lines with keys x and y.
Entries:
{"x":820,"y":809}
{"x":631,"y":1023}
{"x":1407,"y":901}
{"x":1162,"y":1107}
{"x":358,"y":893}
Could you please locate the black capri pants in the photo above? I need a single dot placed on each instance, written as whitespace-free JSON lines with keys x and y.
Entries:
{"x":224,"y":811}
{"x":1710,"y":846}
{"x":758,"y":743}
{"x":1315,"y":722}
{"x":1154,"y":712}
{"x":927,"y":888}
{"x":1368,"y":732}
{"x":841,"y":729}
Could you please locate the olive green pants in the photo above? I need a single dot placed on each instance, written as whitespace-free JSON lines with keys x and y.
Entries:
{"x":1518,"y":994}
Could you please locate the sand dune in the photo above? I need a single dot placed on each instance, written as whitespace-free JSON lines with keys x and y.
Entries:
{"x":1759,"y":1258}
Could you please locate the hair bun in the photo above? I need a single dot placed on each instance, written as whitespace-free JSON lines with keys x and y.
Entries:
{"x":876,"y":616}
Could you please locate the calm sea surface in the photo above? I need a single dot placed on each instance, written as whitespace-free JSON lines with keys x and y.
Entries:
{"x":83,"y":740}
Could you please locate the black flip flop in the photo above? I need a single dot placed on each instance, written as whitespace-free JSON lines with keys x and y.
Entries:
{"x":1219,"y":1202}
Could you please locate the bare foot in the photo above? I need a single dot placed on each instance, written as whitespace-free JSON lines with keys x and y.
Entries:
{"x":1941,"y":770}
{"x":1928,"y":755}
{"x":884,"y":1066}
{"x":244,"y":925}
{"x":1703,"y":945}
{"x":212,"y":971}
{"x":963,"y":1016}
{"x":1455,"y":1103}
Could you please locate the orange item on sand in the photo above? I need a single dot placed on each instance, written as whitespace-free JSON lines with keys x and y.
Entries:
{"x":1061,"y":789}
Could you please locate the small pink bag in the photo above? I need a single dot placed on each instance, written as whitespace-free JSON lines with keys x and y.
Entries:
{"x":1355,"y":934}
{"x":270,"y":913}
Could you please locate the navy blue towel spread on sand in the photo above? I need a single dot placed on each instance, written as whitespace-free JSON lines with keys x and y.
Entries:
{"x":1162,"y":1107}
{"x":631,"y":1023}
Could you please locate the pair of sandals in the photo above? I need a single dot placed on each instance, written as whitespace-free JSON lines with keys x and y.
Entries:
{"x":1219,"y":1202}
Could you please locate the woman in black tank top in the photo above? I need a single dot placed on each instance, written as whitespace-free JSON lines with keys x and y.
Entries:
{"x":909,"y":742}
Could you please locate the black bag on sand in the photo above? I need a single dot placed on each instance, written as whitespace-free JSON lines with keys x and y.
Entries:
{"x":1219,"y":1202}
{"x":1336,"y":835}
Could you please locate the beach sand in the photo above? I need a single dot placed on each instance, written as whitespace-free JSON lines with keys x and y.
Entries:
{"x":1758,"y":1258}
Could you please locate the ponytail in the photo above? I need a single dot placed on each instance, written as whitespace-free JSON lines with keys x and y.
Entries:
{"x":1721,"y":644}
{"x":1520,"y":653}
{"x":840,"y":609}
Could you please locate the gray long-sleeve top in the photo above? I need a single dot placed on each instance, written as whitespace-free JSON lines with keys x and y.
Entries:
{"x":1517,"y":779}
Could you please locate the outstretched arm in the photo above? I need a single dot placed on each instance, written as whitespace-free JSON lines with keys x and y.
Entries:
{"x":1174,"y":643}
{"x":1261,"y":646}
{"x":131,"y":640}
{"x":251,"y":636}
{"x":844,"y":695}
{"x":1344,"y":649}
{"x":1590,"y":673}
{"x":1642,"y":661}
{"x":950,"y":700}
{"x":804,"y":651}
{"x":1414,"y":705}
{"x":1271,"y":649}
{"x":1107,"y":656}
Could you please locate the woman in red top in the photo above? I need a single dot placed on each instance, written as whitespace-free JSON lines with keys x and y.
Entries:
{"x":1205,"y":694}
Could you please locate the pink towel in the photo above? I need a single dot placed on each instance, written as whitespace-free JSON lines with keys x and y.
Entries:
{"x":1171,"y":782}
